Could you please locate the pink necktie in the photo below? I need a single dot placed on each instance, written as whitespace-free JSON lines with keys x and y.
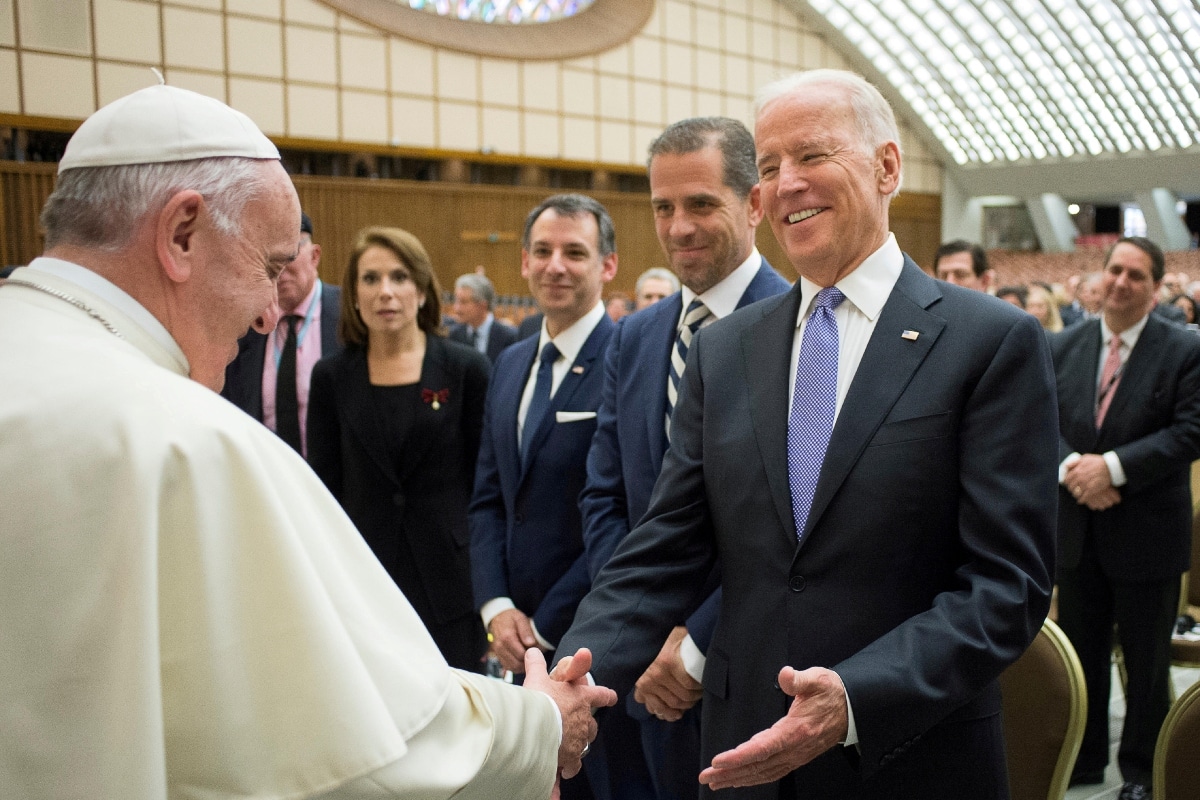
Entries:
{"x":1109,"y":379}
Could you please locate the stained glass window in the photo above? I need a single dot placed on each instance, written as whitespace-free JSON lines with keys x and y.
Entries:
{"x":501,"y":12}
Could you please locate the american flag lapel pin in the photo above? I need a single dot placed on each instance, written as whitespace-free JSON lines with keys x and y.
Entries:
{"x":910,"y":335}
{"x":577,"y":370}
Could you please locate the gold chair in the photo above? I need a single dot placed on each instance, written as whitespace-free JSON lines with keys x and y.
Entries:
{"x":1178,"y":750}
{"x":1044,"y":705}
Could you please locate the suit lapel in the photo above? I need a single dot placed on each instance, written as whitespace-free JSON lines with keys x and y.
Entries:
{"x":509,"y":388}
{"x":330,"y":313}
{"x":365,"y":419}
{"x":653,"y":367}
{"x":1080,"y":361}
{"x":887,"y":368}
{"x":768,"y":405}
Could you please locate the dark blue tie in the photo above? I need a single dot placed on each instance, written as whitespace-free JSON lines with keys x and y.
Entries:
{"x":814,"y":403}
{"x":540,"y":404}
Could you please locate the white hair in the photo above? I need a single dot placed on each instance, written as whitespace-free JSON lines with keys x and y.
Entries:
{"x":102,"y":207}
{"x":876,"y":122}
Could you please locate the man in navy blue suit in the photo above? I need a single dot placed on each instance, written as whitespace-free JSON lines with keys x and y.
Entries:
{"x":527,"y":557}
{"x":872,"y":459}
{"x":312,"y":309}
{"x":704,"y":193}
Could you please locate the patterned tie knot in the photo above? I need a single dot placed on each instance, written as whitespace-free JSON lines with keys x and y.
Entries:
{"x":830,"y":297}
{"x":550,"y":353}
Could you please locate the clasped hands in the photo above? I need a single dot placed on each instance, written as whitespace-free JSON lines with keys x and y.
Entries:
{"x":1090,"y":483}
{"x":665,"y":688}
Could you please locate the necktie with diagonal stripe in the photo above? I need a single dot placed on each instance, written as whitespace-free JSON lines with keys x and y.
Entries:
{"x":1109,"y":378}
{"x":697,"y":312}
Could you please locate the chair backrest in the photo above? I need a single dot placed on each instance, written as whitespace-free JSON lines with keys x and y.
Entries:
{"x":1045,"y":702}
{"x":1177,"y":754}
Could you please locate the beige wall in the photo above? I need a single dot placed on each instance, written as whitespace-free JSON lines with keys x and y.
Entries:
{"x":304,"y":71}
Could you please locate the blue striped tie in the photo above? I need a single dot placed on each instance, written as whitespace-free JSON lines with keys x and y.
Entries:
{"x":697,"y":312}
{"x":814,"y":403}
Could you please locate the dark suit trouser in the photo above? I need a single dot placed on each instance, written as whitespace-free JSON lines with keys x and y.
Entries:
{"x":958,"y":760}
{"x":1089,"y":603}
{"x":672,"y":752}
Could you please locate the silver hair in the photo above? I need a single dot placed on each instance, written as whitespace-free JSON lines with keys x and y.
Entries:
{"x":102,"y":207}
{"x":658,"y":273}
{"x":873,"y":114}
{"x":479,"y":286}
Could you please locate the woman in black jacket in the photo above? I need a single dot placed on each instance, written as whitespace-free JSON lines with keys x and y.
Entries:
{"x":393,"y":430}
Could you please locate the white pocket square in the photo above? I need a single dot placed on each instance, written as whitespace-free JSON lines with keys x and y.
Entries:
{"x":573,"y":416}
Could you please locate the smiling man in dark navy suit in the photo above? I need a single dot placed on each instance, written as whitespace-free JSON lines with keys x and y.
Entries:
{"x":704,"y":194}
{"x":871,"y":458}
{"x":527,"y":558}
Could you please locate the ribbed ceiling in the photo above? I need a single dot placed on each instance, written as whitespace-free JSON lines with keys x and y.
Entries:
{"x":1025,"y":81}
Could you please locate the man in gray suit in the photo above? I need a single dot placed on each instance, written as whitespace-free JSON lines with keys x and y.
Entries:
{"x":477,"y":326}
{"x":885,"y":528}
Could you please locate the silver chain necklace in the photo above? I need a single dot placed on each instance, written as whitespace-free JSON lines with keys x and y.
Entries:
{"x":66,"y":298}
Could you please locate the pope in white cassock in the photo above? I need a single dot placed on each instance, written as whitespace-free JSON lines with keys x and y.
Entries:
{"x":185,"y":612}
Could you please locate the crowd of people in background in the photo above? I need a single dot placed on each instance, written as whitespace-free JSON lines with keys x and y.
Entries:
{"x":1060,"y":305}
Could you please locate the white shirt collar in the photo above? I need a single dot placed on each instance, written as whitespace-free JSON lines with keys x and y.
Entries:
{"x":571,"y":341}
{"x":486,"y":325}
{"x":868,"y":286}
{"x":110,"y":293}
{"x":722,"y":299}
{"x":1129,"y":336}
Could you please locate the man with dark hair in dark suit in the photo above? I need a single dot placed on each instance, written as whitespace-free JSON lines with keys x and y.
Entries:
{"x":871,"y":459}
{"x":270,"y":376}
{"x":477,"y":326}
{"x":704,"y":193}
{"x":964,"y":264}
{"x":527,"y":558}
{"x":1129,"y":415}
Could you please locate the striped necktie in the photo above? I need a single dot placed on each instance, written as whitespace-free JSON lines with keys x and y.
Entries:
{"x":697,"y":312}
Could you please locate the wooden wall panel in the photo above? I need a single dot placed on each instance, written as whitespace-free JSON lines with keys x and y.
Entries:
{"x":23,"y":191}
{"x":463,"y":226}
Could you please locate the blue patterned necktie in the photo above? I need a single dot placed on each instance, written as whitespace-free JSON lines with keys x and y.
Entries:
{"x":814,"y":403}
{"x":540,"y":402}
{"x":697,"y":312}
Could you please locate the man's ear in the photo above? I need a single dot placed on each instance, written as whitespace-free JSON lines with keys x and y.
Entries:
{"x":754,"y":200}
{"x":175,"y":232}
{"x":887,"y":167}
{"x":316,"y":254}
{"x":608,"y":267}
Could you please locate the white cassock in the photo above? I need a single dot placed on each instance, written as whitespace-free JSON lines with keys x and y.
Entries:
{"x":186,"y":612}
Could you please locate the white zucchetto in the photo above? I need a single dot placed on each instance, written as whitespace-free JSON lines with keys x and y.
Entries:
{"x":161,"y":124}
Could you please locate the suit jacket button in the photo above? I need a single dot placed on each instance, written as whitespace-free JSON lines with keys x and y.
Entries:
{"x":796,"y":583}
